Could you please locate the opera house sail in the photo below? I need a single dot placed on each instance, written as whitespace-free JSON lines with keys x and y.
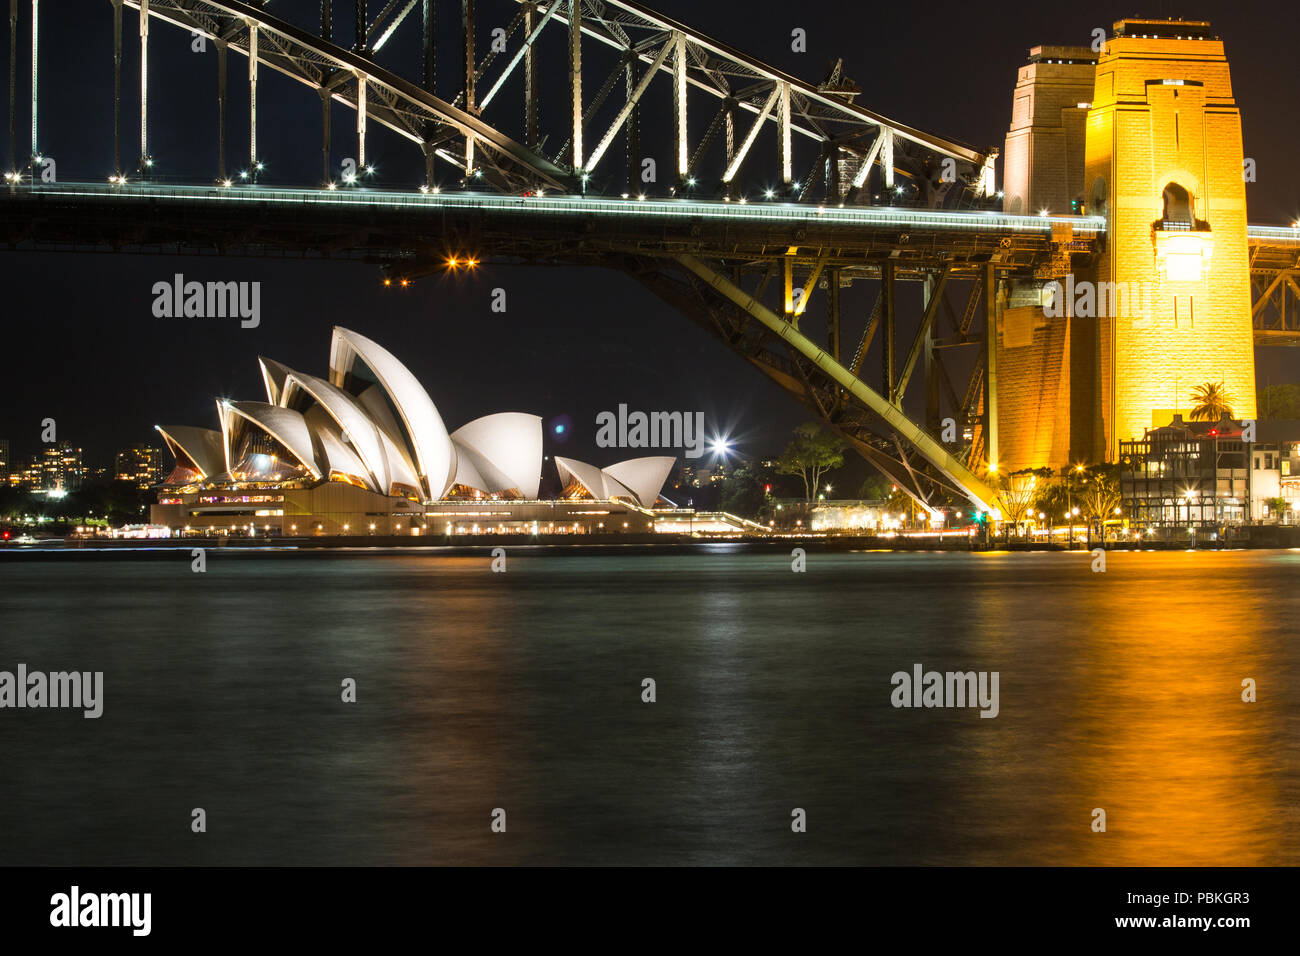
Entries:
{"x":366,"y":451}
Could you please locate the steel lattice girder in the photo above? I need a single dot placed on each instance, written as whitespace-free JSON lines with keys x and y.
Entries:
{"x":1275,"y":286}
{"x":904,"y":431}
{"x":392,"y":101}
{"x":845,"y":132}
{"x":869,"y":434}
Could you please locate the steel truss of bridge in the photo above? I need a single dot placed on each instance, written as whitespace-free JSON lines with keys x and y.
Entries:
{"x":738,"y":269}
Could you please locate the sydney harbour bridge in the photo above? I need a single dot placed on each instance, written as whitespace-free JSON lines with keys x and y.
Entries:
{"x":771,"y":196}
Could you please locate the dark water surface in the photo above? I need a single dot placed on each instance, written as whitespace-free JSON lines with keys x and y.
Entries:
{"x":523,"y":691}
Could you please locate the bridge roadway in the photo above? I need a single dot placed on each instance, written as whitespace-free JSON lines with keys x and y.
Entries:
{"x":403,"y":227}
{"x":415,"y":232}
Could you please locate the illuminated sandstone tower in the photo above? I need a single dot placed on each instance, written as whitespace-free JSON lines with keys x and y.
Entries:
{"x":1163,"y":163}
{"x":1146,"y":133}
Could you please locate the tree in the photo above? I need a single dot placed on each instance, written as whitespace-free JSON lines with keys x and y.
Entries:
{"x":874,"y":487}
{"x":813,"y":452}
{"x":744,"y":491}
{"x":1019,"y":492}
{"x":1212,"y":402}
{"x":902,"y":504}
{"x":1276,"y":509}
{"x":1278,"y":401}
{"x":1101,"y":496}
{"x":1053,"y":496}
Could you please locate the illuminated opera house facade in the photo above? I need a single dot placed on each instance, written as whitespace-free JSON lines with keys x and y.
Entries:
{"x":365,"y":452}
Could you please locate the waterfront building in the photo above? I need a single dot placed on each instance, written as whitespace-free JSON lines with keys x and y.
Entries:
{"x":853,"y":515}
{"x":1204,"y":474}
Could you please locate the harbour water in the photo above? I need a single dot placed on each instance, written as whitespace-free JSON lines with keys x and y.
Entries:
{"x":523,"y":691}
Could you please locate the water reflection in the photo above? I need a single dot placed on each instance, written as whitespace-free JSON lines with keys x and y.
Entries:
{"x":523,"y":691}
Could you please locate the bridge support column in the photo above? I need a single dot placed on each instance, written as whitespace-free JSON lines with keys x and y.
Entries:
{"x":633,"y":129}
{"x":888,"y":372}
{"x":575,"y":82}
{"x":887,"y":157}
{"x":833,"y":312}
{"x":117,"y":88}
{"x":252,"y":102}
{"x":361,"y":123}
{"x":325,"y":135}
{"x":221,"y":109}
{"x":787,"y":160}
{"x":530,"y":80}
{"x":145,"y":162}
{"x":990,"y":419}
{"x":931,"y":362}
{"x":429,"y":66}
{"x":467,"y":29}
{"x":679,"y":106}
{"x":13,"y":74}
{"x":36,"y":37}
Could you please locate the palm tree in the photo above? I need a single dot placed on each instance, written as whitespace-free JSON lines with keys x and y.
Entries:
{"x":1212,"y":403}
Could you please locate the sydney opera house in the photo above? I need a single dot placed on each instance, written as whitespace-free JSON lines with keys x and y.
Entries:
{"x":366,"y":452}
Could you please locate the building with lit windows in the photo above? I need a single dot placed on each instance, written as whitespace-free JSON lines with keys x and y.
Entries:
{"x":59,"y":469}
{"x":365,"y":451}
{"x":1207,"y":475}
{"x":141,"y":465}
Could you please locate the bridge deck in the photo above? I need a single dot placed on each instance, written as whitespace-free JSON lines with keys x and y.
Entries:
{"x":396,"y":227}
{"x":402,"y":226}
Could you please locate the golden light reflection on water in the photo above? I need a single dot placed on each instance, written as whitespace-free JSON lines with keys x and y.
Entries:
{"x":1174,"y":755}
{"x":1123,"y":691}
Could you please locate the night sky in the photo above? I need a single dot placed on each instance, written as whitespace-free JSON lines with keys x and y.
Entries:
{"x":82,"y":346}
